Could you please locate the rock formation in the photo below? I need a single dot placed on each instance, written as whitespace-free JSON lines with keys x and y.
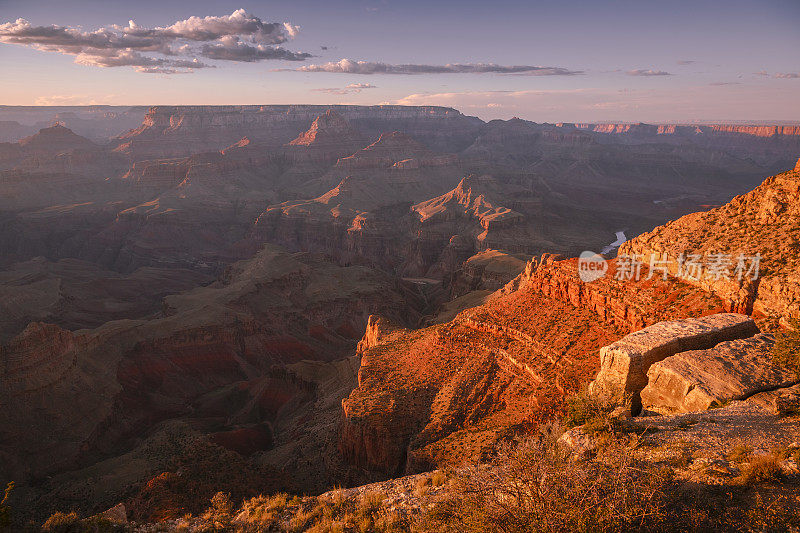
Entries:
{"x":330,"y":137}
{"x":624,"y":365}
{"x":181,"y":130}
{"x":698,"y":380}
{"x":440,"y":394}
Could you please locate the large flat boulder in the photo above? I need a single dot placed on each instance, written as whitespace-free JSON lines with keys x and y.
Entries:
{"x":700,"y":379}
{"x":624,"y":364}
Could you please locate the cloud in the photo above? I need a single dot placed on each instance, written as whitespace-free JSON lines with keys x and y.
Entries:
{"x":73,"y":99}
{"x":360,"y":86}
{"x":239,"y":36}
{"x":236,"y":50}
{"x":349,"y":66}
{"x":642,"y":72}
{"x":330,"y":90}
{"x":787,"y":75}
{"x":348,"y":89}
{"x":599,"y":104}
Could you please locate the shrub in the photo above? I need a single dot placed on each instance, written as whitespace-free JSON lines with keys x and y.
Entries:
{"x":583,"y":408}
{"x":370,"y":503}
{"x":762,"y":469}
{"x":740,"y":453}
{"x":422,"y":486}
{"x":219,"y":515}
{"x":5,"y":508}
{"x":536,"y":486}
{"x":62,"y":523}
{"x":786,"y":351}
{"x":438,"y":478}
{"x":265,"y":511}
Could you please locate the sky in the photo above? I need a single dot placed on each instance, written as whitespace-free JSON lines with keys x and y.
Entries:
{"x":546,"y":61}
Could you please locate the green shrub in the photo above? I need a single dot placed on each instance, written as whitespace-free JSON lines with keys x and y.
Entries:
{"x":583,"y":408}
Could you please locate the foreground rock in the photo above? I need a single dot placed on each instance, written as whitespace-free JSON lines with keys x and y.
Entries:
{"x":624,"y":364}
{"x":698,"y":380}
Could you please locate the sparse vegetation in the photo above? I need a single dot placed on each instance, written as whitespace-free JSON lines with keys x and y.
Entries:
{"x":422,"y":486}
{"x":5,"y":508}
{"x":786,"y":351}
{"x":761,"y":469}
{"x":583,"y":408}
{"x":62,"y":523}
{"x":438,"y":478}
{"x":218,"y":516}
{"x":740,"y":453}
{"x":536,"y":486}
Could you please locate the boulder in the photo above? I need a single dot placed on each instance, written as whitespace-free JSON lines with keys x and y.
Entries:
{"x":700,"y":379}
{"x":624,"y":364}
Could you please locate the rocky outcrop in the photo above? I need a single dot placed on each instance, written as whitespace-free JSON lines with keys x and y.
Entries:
{"x":329,"y":138}
{"x":466,"y":201}
{"x":489,"y":270}
{"x":429,"y":396}
{"x":628,"y":305}
{"x":624,"y":365}
{"x":54,"y":139}
{"x":377,"y":332}
{"x":700,"y":129}
{"x":36,"y":358}
{"x":698,"y":380}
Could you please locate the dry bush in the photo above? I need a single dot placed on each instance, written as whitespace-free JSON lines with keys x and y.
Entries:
{"x":422,"y":486}
{"x":438,"y":478}
{"x":536,"y":486}
{"x":5,"y":508}
{"x":740,"y":453}
{"x":370,"y":503}
{"x":62,"y":522}
{"x":786,"y":351}
{"x":265,"y":511}
{"x":761,"y":469}
{"x":219,"y":515}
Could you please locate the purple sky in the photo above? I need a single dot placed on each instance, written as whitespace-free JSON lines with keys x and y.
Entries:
{"x":570,"y":60}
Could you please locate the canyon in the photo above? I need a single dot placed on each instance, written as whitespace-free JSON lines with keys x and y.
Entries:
{"x":264,"y":298}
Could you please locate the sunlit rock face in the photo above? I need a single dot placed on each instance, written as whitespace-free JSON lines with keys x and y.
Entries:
{"x":441,"y":394}
{"x":763,"y":222}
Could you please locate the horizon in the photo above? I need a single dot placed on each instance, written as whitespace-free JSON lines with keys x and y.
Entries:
{"x":612,"y":61}
{"x":699,"y":122}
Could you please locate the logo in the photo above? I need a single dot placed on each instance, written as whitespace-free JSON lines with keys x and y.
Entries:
{"x":591,"y":266}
